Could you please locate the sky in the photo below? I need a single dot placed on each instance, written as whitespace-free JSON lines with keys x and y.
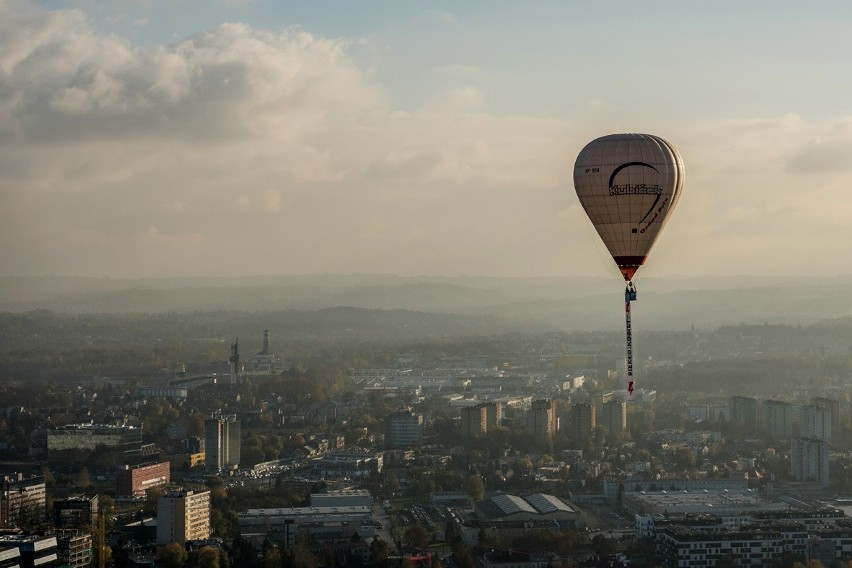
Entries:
{"x":149,"y":138}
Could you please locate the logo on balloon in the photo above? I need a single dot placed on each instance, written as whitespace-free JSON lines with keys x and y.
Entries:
{"x":637,"y":189}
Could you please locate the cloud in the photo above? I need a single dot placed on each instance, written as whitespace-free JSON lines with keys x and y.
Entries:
{"x":62,"y":79}
{"x":278,"y":151}
{"x":827,"y":153}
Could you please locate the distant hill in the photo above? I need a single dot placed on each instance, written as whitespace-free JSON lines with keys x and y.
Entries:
{"x":525,"y":304}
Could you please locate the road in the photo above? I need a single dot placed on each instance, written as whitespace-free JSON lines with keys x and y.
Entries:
{"x":384,"y":533}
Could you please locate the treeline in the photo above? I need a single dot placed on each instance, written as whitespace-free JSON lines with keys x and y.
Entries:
{"x":332,"y":326}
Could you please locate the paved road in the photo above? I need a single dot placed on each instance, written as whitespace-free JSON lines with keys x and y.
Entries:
{"x":384,"y":533}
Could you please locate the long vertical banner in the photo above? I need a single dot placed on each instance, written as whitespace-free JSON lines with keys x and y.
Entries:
{"x":629,"y":350}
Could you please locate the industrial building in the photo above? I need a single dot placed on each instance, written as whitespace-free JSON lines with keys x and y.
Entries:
{"x":94,"y":443}
{"x":328,"y":525}
{"x":349,"y":463}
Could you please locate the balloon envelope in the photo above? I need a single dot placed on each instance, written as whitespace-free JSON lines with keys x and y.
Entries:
{"x":628,"y":184}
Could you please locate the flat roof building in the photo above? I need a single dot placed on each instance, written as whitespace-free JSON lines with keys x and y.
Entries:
{"x":183,"y":516}
{"x":135,"y":480}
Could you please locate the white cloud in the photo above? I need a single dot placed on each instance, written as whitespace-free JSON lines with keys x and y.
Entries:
{"x":182,"y":158}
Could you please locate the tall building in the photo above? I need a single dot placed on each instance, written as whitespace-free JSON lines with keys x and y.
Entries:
{"x":542,"y":422}
{"x":743,"y":409}
{"x":478,"y":420}
{"x":74,"y":549}
{"x":833,"y":405}
{"x":494,"y":413}
{"x":583,"y":421}
{"x":809,"y":460}
{"x":234,"y":362}
{"x":403,"y":429}
{"x":614,"y":416}
{"x":815,"y":422}
{"x":222,"y":442}
{"x":183,"y":516}
{"x":23,"y":500}
{"x":777,"y":419}
{"x":474,"y":422}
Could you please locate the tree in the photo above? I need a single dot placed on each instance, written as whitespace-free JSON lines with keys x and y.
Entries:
{"x":49,"y":479}
{"x":379,"y":551}
{"x":171,"y":556}
{"x":391,"y":484}
{"x":417,"y":536}
{"x":474,"y":487}
{"x":462,"y":556}
{"x":602,"y":546}
{"x":271,"y":558}
{"x":242,"y":553}
{"x":84,"y":481}
{"x":301,"y":557}
{"x":152,"y":495}
{"x":251,"y":455}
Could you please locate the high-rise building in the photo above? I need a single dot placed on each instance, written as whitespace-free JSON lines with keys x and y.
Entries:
{"x":478,"y":420}
{"x":583,"y":421}
{"x":183,"y":516}
{"x":743,"y":409}
{"x":809,"y":460}
{"x":542,"y":421}
{"x":833,"y":405}
{"x":614,"y":416}
{"x":222,"y":442}
{"x":494,"y":413}
{"x":23,"y":500}
{"x":474,"y":422}
{"x":815,"y":422}
{"x":777,"y":419}
{"x":403,"y":429}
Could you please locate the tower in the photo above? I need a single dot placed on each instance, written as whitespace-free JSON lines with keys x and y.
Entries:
{"x":234,"y":361}
{"x":221,"y":442}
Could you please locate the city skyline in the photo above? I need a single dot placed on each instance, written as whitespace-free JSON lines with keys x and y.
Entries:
{"x":181,"y":139}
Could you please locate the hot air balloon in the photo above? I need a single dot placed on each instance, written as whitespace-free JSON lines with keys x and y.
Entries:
{"x":628,"y":185}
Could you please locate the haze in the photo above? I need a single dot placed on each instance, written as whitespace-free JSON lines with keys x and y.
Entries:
{"x":235,"y":138}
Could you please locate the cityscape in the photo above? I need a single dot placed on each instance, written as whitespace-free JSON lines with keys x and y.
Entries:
{"x":518,"y":450}
{"x":480,"y":284}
